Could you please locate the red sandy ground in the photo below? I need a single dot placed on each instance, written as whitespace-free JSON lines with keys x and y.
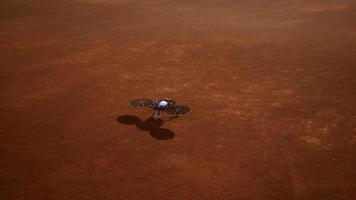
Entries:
{"x":271,"y":84}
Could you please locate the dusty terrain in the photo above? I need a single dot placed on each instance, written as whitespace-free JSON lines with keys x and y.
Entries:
{"x":271,"y":85}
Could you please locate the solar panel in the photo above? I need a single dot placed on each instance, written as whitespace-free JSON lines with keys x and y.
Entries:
{"x":142,"y":102}
{"x":177,"y":110}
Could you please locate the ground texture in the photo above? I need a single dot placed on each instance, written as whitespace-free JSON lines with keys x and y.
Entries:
{"x":271,"y":85}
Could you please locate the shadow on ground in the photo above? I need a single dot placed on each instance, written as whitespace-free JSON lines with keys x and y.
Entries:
{"x":152,"y":126}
